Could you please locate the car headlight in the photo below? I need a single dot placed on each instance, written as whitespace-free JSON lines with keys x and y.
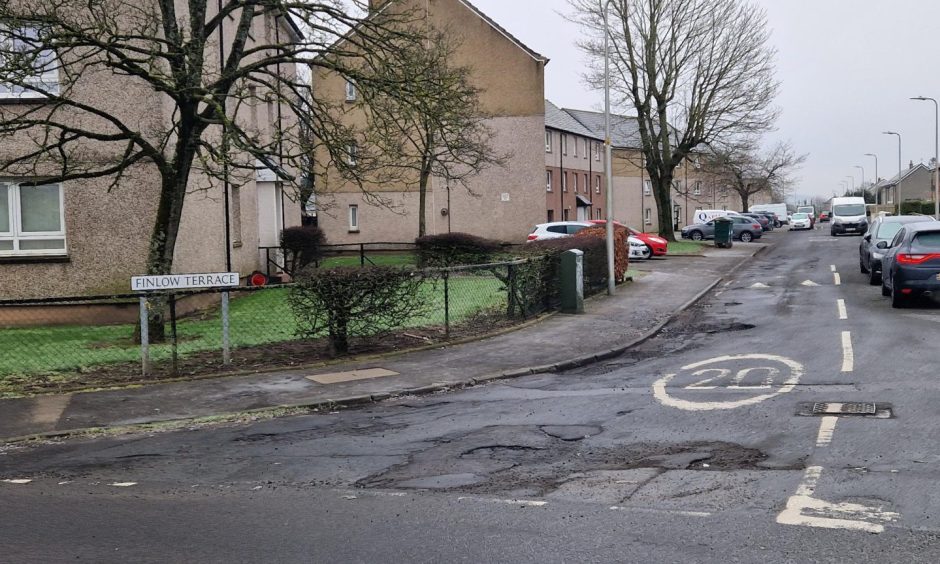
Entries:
{"x":878,"y":256}
{"x":836,"y":220}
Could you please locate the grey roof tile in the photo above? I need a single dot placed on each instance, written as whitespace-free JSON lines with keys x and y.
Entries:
{"x":556,"y":118}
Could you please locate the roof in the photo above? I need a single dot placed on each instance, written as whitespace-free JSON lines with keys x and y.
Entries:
{"x":924,"y":226}
{"x":561,"y":120}
{"x":624,"y":130}
{"x":540,"y":58}
{"x":893,"y":181}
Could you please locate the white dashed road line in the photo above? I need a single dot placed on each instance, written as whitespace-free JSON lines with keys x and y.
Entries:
{"x":848,"y":356}
{"x":664,"y":511}
{"x":521,"y":502}
{"x":837,"y":278}
{"x":826,"y":429}
{"x":843,"y":313}
{"x":17,"y":481}
{"x":832,"y":267}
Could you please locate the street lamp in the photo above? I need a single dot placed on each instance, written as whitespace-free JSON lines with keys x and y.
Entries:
{"x":897,"y":188}
{"x":936,"y":153}
{"x":877,"y":180}
{"x":608,"y":154}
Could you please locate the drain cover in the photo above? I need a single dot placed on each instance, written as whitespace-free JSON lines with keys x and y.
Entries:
{"x":851,"y":408}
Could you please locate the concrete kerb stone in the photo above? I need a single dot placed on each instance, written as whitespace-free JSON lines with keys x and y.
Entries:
{"x":354,"y":401}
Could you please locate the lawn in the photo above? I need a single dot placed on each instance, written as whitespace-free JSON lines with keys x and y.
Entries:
{"x":679,"y":248}
{"x":258,"y":318}
{"x":404,"y":259}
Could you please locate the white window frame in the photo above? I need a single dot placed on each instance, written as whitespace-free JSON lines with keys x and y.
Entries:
{"x":17,"y":235}
{"x":647,"y":187}
{"x":45,"y":82}
{"x":564,"y":181}
{"x":597,"y":151}
{"x":697,"y":191}
{"x":352,"y":94}
{"x":353,"y":218}
{"x":648,"y":216}
{"x":564,"y":144}
{"x":576,"y":183}
{"x":597,"y":184}
{"x":352,"y":154}
{"x":548,"y":141}
{"x":576,"y":141}
{"x":548,"y":180}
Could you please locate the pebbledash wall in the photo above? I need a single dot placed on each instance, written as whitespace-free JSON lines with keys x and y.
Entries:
{"x":108,"y":233}
{"x":501,"y":202}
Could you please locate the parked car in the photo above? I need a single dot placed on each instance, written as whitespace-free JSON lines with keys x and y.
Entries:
{"x":772,"y":220}
{"x":883,"y":228}
{"x":657,"y":245}
{"x":800,"y":221}
{"x":765,"y":224}
{"x":556,"y":230}
{"x":810,"y":211}
{"x":849,"y":215}
{"x":745,"y":229}
{"x":779,"y":210}
{"x":638,"y":249}
{"x":823,"y":217}
{"x":911,"y":264}
{"x":704,"y":216}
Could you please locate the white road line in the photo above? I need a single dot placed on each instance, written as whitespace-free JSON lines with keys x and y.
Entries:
{"x":843,"y":314}
{"x":832,"y":267}
{"x":836,"y":513}
{"x":18,"y":481}
{"x":664,"y":511}
{"x":826,"y":429}
{"x":848,"y":356}
{"x":838,"y":279}
{"x":523,"y":502}
{"x":122,"y":484}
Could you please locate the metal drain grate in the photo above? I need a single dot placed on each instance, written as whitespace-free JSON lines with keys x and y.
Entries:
{"x":851,"y":408}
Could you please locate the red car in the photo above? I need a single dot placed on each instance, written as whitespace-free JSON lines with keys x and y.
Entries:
{"x":658,"y":246}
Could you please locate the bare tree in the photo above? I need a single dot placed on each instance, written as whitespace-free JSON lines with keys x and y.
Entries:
{"x":749,"y":172}
{"x":203,"y":62}
{"x":694,"y":71}
{"x":443,"y":134}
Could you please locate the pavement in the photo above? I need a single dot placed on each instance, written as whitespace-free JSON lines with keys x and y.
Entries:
{"x":609,"y":326}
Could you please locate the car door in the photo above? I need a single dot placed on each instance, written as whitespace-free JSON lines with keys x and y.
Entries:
{"x":708,"y":230}
{"x":864,"y":248}
{"x":888,"y":262}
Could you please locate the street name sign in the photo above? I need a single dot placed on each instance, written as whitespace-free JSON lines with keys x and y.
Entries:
{"x":184,"y":281}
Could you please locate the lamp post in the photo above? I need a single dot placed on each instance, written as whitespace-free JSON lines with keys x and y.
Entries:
{"x":877,"y":179}
{"x":608,"y":154}
{"x":936,"y":153}
{"x":897,"y":188}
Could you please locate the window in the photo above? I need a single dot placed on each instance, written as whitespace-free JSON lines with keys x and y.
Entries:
{"x":354,"y":218}
{"x":32,"y":221}
{"x":597,"y":151}
{"x":648,"y":216}
{"x":560,"y":229}
{"x":551,"y":216}
{"x":697,"y":191}
{"x":587,"y":184}
{"x":597,"y":213}
{"x":564,"y":144}
{"x":575,"y":182}
{"x":548,"y":181}
{"x":597,"y":184}
{"x":548,"y":141}
{"x":585,"y":153}
{"x":647,"y":187}
{"x":24,"y":48}
{"x":564,"y":215}
{"x":564,"y":182}
{"x":352,"y":154}
{"x":351,"y":93}
{"x":576,"y":142}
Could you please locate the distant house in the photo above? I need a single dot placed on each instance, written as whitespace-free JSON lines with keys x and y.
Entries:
{"x":575,"y":188}
{"x":913,"y":184}
{"x":500,"y":202}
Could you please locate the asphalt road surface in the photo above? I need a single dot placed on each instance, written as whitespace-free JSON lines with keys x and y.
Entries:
{"x":700,"y":446}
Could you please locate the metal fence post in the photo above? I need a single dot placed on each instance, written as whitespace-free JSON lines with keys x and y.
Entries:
{"x":446,"y":305}
{"x":226,"y":342}
{"x":173,"y":334}
{"x":511,"y":288}
{"x":362,"y":255}
{"x":144,"y":337}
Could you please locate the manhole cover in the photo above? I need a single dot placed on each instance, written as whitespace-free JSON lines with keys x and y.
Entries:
{"x":851,"y":408}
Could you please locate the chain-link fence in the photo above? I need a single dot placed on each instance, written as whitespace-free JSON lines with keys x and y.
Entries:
{"x":62,"y":343}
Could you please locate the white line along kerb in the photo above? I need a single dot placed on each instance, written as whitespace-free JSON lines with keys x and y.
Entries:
{"x":662,"y":395}
{"x":843,"y":313}
{"x":848,"y":356}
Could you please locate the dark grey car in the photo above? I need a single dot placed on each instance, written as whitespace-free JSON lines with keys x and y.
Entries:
{"x":746,"y":229}
{"x":883,"y":228}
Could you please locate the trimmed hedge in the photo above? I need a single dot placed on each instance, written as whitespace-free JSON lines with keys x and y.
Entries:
{"x":302,"y":246}
{"x":455,"y":249}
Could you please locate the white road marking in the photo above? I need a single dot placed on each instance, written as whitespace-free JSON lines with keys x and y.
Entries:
{"x":843,"y":313}
{"x":809,"y":284}
{"x":832,"y":267}
{"x":523,"y":502}
{"x":662,"y":395}
{"x":665,"y":511}
{"x":848,"y":356}
{"x":838,"y":279}
{"x":122,"y":484}
{"x":827,"y":515}
{"x":760,"y":286}
{"x":826,"y":429}
{"x":18,"y":481}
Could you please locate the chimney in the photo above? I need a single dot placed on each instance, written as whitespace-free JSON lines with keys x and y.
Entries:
{"x":911,"y":165}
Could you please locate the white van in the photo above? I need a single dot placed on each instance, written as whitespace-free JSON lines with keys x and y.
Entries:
{"x":849,"y":215}
{"x":780,"y":210}
{"x":704,"y":216}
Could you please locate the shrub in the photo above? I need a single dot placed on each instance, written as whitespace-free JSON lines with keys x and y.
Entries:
{"x":455,"y":249}
{"x":917,"y":207}
{"x":302,"y":246}
{"x":621,"y":251}
{"x":354,"y":302}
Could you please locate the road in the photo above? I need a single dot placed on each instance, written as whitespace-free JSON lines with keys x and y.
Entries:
{"x":699,"y":446}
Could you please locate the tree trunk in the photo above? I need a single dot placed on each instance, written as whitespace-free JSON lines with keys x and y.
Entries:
{"x":745,"y":202}
{"x":423,"y":198}
{"x":662,"y":194}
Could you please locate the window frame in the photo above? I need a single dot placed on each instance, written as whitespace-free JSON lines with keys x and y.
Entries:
{"x":549,"y":181}
{"x":648,"y":216}
{"x":42,"y":84}
{"x":352,"y":154}
{"x":353,"y":217}
{"x":352,"y":93}
{"x":564,"y":144}
{"x":697,"y":191}
{"x":548,"y":141}
{"x":647,"y":187}
{"x":564,"y":181}
{"x":16,"y":235}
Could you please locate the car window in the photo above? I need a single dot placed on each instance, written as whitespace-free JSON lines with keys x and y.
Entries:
{"x":849,"y":209}
{"x":927,"y":241}
{"x":572,"y":229}
{"x":887,"y":231}
{"x":710,"y":224}
{"x":897,"y":238}
{"x":557,"y":229}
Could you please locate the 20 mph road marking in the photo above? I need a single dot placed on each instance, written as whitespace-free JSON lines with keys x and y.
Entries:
{"x":826,"y":429}
{"x":848,"y":356}
{"x":843,"y":314}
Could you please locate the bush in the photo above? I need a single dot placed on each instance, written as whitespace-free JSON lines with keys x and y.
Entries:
{"x":621,"y":250}
{"x":354,"y":302}
{"x":455,"y":249}
{"x":302,"y":246}
{"x":916,"y":207}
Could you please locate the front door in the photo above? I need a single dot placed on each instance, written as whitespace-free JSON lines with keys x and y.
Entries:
{"x":582,"y":213}
{"x":270,"y":222}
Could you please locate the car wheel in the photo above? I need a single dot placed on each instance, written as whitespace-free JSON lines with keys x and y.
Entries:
{"x":874,"y":278}
{"x":746,"y":237}
{"x":884,"y":289}
{"x":897,"y":300}
{"x":649,"y":252}
{"x":832,"y":233}
{"x":696,"y":236}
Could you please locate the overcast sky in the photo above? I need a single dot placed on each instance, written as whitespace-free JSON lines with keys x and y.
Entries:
{"x":847,"y":68}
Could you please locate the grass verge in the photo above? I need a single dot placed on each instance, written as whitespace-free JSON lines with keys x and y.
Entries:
{"x":686,"y":248}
